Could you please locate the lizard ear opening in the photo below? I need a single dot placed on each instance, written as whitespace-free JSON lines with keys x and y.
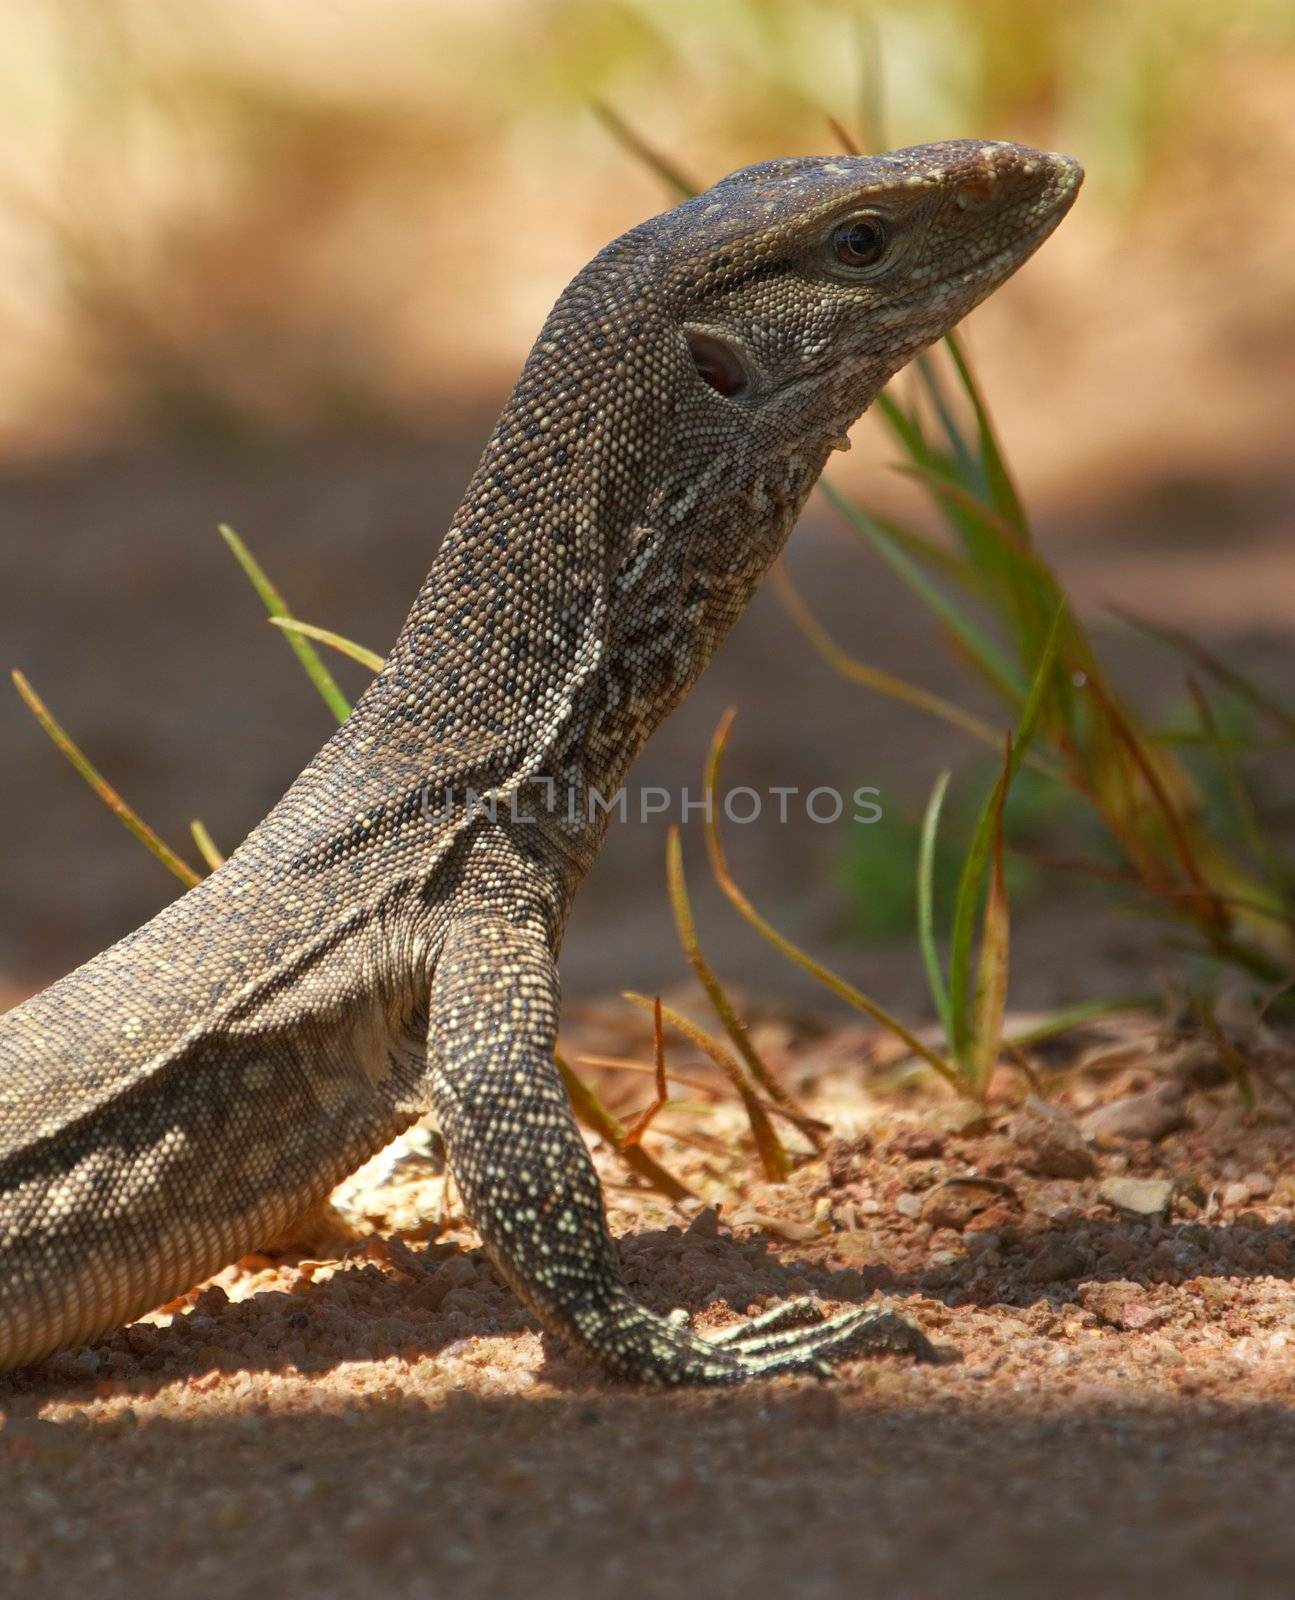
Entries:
{"x":718,"y":364}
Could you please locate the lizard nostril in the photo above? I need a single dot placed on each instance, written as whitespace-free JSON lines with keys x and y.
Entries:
{"x":718,"y":364}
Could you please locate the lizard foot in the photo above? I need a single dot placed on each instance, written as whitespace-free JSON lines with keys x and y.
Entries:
{"x":797,"y":1337}
{"x":792,"y":1337}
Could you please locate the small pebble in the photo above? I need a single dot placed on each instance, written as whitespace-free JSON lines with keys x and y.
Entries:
{"x":1140,"y":1116}
{"x":1137,"y":1197}
{"x":1048,"y":1142}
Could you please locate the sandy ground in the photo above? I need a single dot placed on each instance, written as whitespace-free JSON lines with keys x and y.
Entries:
{"x":1106,"y":1276}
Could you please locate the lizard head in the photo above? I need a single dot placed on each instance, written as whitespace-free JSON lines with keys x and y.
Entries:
{"x":799,"y":286}
{"x":673,"y":415}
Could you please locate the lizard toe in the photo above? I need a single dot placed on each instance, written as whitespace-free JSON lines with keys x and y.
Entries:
{"x":817,"y":1348}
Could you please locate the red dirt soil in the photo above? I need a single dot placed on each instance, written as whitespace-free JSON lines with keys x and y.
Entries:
{"x":1106,"y":1276}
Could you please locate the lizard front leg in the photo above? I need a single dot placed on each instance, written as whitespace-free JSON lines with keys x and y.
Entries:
{"x":531,"y":1190}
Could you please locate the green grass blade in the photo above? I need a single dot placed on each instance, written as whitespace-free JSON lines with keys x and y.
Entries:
{"x":982,"y":649}
{"x":128,"y":817}
{"x":968,"y":463}
{"x":940,"y":558}
{"x":904,"y":425}
{"x":964,"y":504}
{"x":998,"y":479}
{"x":926,"y":904}
{"x":275,"y":604}
{"x":1089,"y":1011}
{"x":1005,"y":565}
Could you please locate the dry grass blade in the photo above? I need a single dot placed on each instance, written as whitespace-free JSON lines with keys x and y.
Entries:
{"x":830,"y":980}
{"x":628,"y":1064}
{"x":773,"y":1155}
{"x":129,"y":818}
{"x":673,"y":177}
{"x":641,"y":1124}
{"x":1209,"y":910}
{"x":1219,"y":669}
{"x":590,"y":1110}
{"x":990,"y":1002}
{"x":710,"y":1046}
{"x":732,"y":1023}
{"x":335,"y":641}
{"x":873,"y":677}
{"x":1175,"y":897}
{"x":1242,"y":805}
{"x":206,"y":846}
{"x":1229,"y":1055}
{"x":843,"y":136}
{"x":926,"y":904}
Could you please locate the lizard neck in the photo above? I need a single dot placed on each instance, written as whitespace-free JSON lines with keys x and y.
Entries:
{"x":604,"y":547}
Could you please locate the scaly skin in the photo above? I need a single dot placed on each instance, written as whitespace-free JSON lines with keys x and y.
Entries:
{"x":379,"y":945}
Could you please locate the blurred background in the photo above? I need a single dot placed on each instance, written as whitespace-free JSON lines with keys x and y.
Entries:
{"x":277,"y":266}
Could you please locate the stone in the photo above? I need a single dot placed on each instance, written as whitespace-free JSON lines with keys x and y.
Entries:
{"x":916,"y":1142}
{"x":994,"y":1219}
{"x":1048,"y":1142}
{"x":954,"y":1204}
{"x":1121,"y":1304}
{"x":1137,"y":1197}
{"x":1141,"y":1116}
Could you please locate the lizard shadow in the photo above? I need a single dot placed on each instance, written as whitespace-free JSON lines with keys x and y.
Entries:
{"x":413,"y":1307}
{"x":754,"y":1492}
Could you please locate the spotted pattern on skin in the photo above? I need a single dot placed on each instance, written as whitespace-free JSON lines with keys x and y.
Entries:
{"x":363,"y":957}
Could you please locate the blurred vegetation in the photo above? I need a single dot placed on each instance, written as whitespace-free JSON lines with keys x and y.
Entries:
{"x":1227,"y":895}
{"x":226,"y":219}
{"x":230,"y":224}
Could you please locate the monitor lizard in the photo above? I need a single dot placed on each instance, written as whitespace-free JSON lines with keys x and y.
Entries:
{"x":382,"y":945}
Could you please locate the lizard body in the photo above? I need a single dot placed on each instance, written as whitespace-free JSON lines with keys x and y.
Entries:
{"x":382,"y":944}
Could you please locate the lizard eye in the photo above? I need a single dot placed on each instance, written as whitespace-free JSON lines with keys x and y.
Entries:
{"x":717,"y":363}
{"x":861,"y":242}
